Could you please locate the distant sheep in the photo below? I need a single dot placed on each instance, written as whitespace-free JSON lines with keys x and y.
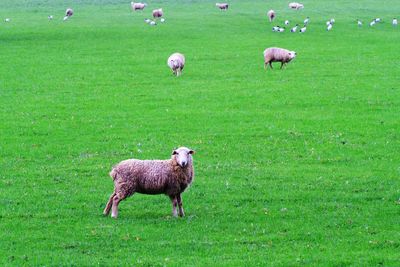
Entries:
{"x":138,"y":6}
{"x":222,"y":6}
{"x":296,"y":6}
{"x":170,"y":177}
{"x":158,"y":13}
{"x":176,"y":63}
{"x":271,"y":15}
{"x":68,"y":13}
{"x":275,"y":54}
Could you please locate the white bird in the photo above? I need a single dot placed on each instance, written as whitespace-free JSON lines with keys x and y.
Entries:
{"x":162,"y":20}
{"x":50,"y":17}
{"x":153,"y":23}
{"x":303,"y":29}
{"x":281,"y":29}
{"x":372,"y":23}
{"x":275,"y":28}
{"x":327,"y":23}
{"x":329,"y":27}
{"x":332,"y":21}
{"x":147,"y":20}
{"x":394,"y":22}
{"x":7,"y":20}
{"x":294,"y":29}
{"x":377,"y":20}
{"x":286,"y":22}
{"x":359,"y":23}
{"x":306,"y":21}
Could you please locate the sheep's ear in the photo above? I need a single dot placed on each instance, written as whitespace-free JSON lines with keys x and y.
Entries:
{"x":192,"y":152}
{"x":174,"y":152}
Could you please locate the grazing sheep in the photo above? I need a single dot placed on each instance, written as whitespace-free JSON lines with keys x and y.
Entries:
{"x":158,"y":13}
{"x":138,"y":6}
{"x":271,"y":15}
{"x":394,"y":22}
{"x":276,"y":54}
{"x":68,"y":13}
{"x":170,"y":177}
{"x":296,"y":5}
{"x":222,"y":6}
{"x":176,"y":62}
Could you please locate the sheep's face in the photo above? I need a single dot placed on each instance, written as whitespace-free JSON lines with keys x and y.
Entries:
{"x":292,"y":55}
{"x":183,"y":156}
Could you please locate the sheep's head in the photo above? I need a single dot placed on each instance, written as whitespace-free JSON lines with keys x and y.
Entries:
{"x":292,"y":54}
{"x":183,"y":156}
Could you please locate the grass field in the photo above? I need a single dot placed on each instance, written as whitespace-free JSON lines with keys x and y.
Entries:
{"x":294,"y":167}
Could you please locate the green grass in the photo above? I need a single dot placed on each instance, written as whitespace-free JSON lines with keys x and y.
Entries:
{"x":297,"y":167}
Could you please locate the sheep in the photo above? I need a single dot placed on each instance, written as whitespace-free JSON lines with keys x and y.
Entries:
{"x":170,"y":177}
{"x":176,"y":62}
{"x":296,"y":6}
{"x":222,"y":6}
{"x":158,"y":13}
{"x":68,"y":13}
{"x":138,"y":6}
{"x":271,"y":15}
{"x":276,"y":54}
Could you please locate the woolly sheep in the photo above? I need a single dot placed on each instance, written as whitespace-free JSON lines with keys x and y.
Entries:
{"x":170,"y":177}
{"x":295,"y":5}
{"x":271,"y":15}
{"x":176,"y":62}
{"x":158,"y":13}
{"x":68,"y":13}
{"x":222,"y":6}
{"x":138,"y":6}
{"x":276,"y":54}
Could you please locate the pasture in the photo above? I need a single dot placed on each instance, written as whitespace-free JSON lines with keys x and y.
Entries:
{"x":294,"y":167}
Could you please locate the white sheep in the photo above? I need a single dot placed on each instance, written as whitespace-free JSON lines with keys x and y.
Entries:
{"x":138,"y":6}
{"x":276,"y":54}
{"x":68,"y":13}
{"x":176,"y":62}
{"x":158,"y":13}
{"x":170,"y":177}
{"x":296,"y":6}
{"x":222,"y":6}
{"x":271,"y":15}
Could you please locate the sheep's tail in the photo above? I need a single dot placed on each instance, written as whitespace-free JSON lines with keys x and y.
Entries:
{"x":113,"y":174}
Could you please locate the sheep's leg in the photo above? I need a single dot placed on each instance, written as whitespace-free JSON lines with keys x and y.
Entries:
{"x":116,"y":200}
{"x":282,"y":64}
{"x":174,"y":204}
{"x":109,"y":205}
{"x":270,"y":64}
{"x":181,"y":212}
